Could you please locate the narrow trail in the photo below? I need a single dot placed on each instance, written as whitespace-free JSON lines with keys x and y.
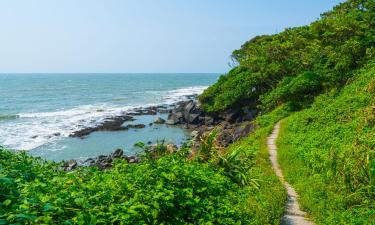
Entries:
{"x":293,"y":214}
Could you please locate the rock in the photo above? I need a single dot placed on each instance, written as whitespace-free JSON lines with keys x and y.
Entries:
{"x":249,"y":114}
{"x":118,"y":153}
{"x":188,"y":108}
{"x":133,"y":159}
{"x":159,"y":121}
{"x":150,"y":124}
{"x":70,"y":165}
{"x":109,"y":124}
{"x":136,"y":126}
{"x":171,"y":148}
{"x":242,"y":131}
{"x":175,"y":118}
{"x":232,"y":115}
{"x":149,"y":142}
{"x":193,"y":118}
{"x":89,"y":162}
{"x":163,"y":111}
{"x":56,"y":134}
{"x":194,"y":134}
{"x":208,"y":120}
{"x":35,"y":136}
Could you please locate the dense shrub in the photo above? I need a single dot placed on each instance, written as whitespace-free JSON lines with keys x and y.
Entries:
{"x":169,"y":190}
{"x":297,"y":91}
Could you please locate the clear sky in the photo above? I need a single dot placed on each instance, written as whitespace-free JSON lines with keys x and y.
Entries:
{"x":139,"y":35}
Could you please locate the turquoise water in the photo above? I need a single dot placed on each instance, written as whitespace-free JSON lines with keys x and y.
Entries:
{"x":39,"y":111}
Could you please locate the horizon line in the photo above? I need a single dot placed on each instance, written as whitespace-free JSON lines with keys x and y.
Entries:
{"x":57,"y":73}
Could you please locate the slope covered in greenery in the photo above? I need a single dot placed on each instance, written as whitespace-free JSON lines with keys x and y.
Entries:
{"x":324,"y":75}
{"x":328,"y":153}
{"x":299,"y":63}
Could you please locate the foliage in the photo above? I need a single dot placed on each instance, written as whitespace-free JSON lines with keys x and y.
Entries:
{"x":298,"y":91}
{"x":226,"y":188}
{"x":268,"y":199}
{"x":332,"y":147}
{"x":168,"y":191}
{"x":331,"y":48}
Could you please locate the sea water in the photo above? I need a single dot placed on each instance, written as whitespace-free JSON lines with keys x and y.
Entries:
{"x":38,"y":112}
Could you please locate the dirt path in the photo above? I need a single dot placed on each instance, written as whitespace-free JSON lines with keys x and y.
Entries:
{"x":293,"y":214}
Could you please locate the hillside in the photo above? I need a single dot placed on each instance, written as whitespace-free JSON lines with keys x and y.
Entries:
{"x":327,"y":152}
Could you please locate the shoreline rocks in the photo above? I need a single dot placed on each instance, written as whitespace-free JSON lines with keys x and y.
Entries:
{"x":231,"y":126}
{"x":102,"y":161}
{"x":109,"y":124}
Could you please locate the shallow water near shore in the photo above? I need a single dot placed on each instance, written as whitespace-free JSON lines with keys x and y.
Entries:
{"x":105,"y":142}
{"x":38,"y":112}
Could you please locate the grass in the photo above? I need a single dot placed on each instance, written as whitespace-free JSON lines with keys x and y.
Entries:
{"x":268,"y":203}
{"x":327,"y":153}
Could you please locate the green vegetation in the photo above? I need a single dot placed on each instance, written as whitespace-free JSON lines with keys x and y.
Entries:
{"x":332,"y":147}
{"x":324,"y":75}
{"x":163,"y":189}
{"x":299,"y":63}
{"x":319,"y":79}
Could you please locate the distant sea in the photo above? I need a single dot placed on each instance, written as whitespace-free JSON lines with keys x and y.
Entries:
{"x":39,"y":111}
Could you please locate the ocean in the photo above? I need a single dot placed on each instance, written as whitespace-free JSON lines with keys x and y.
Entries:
{"x":38,"y":112}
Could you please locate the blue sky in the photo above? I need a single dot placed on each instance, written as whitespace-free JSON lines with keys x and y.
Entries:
{"x":139,"y":35}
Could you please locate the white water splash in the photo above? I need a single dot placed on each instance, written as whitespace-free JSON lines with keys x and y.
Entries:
{"x":31,"y":130}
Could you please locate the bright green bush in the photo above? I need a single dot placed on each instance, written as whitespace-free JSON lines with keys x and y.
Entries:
{"x":169,"y":190}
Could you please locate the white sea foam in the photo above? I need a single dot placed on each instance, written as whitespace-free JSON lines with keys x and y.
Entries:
{"x":181,"y":94}
{"x":31,"y":130}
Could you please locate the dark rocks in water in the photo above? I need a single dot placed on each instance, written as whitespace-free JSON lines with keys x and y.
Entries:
{"x":189,"y":113}
{"x":70,"y":165}
{"x":149,"y":142}
{"x":118,"y":153}
{"x":133,"y":159}
{"x":136,"y":126}
{"x":152,"y":110}
{"x":175,"y":118}
{"x":171,"y":148}
{"x":163,"y":111}
{"x":150,"y":124}
{"x":103,"y":162}
{"x":109,"y":124}
{"x":159,"y":121}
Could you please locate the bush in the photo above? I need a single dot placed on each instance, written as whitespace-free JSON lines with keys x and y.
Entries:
{"x":297,"y":91}
{"x":168,"y":191}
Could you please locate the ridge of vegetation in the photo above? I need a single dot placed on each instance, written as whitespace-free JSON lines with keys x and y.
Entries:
{"x":299,"y":63}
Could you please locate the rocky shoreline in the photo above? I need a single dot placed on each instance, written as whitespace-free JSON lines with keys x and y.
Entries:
{"x":231,"y":126}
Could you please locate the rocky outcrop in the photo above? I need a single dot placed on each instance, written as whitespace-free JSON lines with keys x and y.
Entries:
{"x":159,"y":121}
{"x":109,"y":124}
{"x":115,"y":123}
{"x":188,"y":113}
{"x":231,"y":125}
{"x":135,"y":126}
